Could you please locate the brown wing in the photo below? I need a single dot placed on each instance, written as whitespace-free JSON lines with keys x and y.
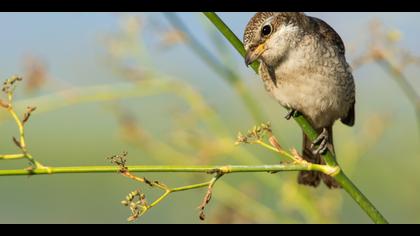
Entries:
{"x":328,"y":34}
{"x":350,"y":118}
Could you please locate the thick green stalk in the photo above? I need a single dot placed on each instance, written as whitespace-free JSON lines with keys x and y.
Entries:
{"x":225,"y":30}
{"x":159,"y":169}
{"x":225,"y":72}
{"x":345,"y":182}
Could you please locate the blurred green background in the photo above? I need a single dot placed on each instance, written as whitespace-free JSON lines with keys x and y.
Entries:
{"x":111,"y":82}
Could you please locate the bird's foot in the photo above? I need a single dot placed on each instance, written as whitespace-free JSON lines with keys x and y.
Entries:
{"x":291,"y":113}
{"x":323,"y":144}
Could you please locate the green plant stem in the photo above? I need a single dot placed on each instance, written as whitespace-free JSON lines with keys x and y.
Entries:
{"x":225,"y":72}
{"x":188,"y":187}
{"x":159,"y":169}
{"x":344,"y":181}
{"x":225,"y":30}
{"x":12,"y":156}
{"x":179,"y":189}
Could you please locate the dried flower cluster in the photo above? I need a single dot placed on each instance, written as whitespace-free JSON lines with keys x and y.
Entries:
{"x":255,"y":134}
{"x":137,"y":203}
{"x":8,"y":88}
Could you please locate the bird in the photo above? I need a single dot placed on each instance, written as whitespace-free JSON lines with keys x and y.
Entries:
{"x":303,"y":66}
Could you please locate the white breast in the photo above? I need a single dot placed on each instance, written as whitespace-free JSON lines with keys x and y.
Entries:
{"x":305,"y":84}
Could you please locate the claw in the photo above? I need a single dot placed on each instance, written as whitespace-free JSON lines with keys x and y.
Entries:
{"x":322,"y":142}
{"x":291,"y":113}
{"x":323,"y":136}
{"x":321,"y":148}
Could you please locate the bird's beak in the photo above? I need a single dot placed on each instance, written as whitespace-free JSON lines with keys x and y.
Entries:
{"x":253,"y":55}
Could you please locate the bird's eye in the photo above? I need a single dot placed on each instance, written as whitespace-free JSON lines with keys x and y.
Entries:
{"x":266,"y":30}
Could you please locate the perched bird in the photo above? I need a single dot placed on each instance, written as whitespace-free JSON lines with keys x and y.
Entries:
{"x":303,"y":66}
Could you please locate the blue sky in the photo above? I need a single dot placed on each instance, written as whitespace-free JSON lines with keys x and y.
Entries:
{"x":61,"y":37}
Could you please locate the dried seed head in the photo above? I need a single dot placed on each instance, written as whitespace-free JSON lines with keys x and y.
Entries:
{"x":124,"y":202}
{"x":202,"y":216}
{"x":136,"y":201}
{"x":27,"y":114}
{"x":148,"y":182}
{"x":120,"y":160}
{"x":205,"y":202}
{"x":4,"y":104}
{"x":10,"y":84}
{"x":275,"y":143}
{"x":17,"y":143}
{"x":241,"y":139}
{"x":256,"y":133}
{"x":296,"y":154}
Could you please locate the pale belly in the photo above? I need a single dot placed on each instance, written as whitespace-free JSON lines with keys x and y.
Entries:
{"x":319,"y":99}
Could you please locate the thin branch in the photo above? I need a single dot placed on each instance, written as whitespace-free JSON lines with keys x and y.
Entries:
{"x":11,"y":156}
{"x":162,"y":169}
{"x":8,"y":88}
{"x":208,"y":195}
{"x":344,"y":181}
{"x":140,"y":207}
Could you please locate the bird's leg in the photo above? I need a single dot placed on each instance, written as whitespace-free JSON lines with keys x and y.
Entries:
{"x":291,"y":113}
{"x":322,"y":142}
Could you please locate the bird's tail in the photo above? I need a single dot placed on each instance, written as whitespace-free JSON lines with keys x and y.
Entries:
{"x":313,"y":178}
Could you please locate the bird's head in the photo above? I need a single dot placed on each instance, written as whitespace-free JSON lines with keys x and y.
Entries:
{"x":269,"y":36}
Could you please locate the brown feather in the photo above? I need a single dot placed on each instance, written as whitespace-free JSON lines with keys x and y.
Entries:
{"x":328,"y":34}
{"x":350,"y":118}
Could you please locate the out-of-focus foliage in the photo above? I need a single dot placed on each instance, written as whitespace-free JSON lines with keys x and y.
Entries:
{"x":191,"y":116}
